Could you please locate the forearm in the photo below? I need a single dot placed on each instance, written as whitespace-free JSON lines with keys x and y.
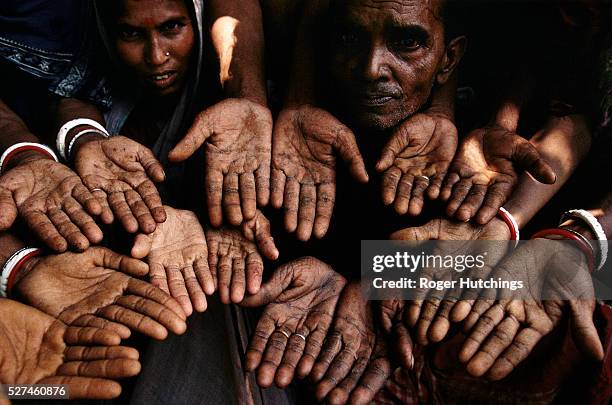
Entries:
{"x":563,"y":144}
{"x":508,"y":111}
{"x":443,"y":98}
{"x":237,"y":35}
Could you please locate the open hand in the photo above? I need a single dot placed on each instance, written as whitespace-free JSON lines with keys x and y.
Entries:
{"x":300,"y":298}
{"x":38,"y":349}
{"x":120,"y":172}
{"x":306,"y":140}
{"x":238,"y":133}
{"x":485,"y":171}
{"x":95,"y":288}
{"x":54,"y":203}
{"x":178,"y":259}
{"x":415,"y":161}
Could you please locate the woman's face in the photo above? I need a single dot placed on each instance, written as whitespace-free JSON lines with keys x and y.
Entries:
{"x":155,"y":39}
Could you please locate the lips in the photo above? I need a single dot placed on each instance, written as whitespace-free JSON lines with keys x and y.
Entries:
{"x":376,"y":99}
{"x":163,"y":79}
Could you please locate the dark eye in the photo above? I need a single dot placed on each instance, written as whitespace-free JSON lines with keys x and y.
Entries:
{"x":407,"y":44}
{"x":129,"y":34}
{"x":172,"y":27}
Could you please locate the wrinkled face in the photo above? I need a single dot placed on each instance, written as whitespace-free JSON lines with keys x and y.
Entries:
{"x":155,"y":40}
{"x":385,"y":56}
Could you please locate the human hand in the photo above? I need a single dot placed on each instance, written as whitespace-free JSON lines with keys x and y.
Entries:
{"x":177,"y":255}
{"x":38,"y":349}
{"x":486,"y":169}
{"x":54,"y":203}
{"x":120,"y":173}
{"x":233,"y":253}
{"x":238,"y":133}
{"x":306,"y":140}
{"x":353,"y":364}
{"x":504,"y":332}
{"x":96,"y":288}
{"x":300,"y":298}
{"x":421,"y":148}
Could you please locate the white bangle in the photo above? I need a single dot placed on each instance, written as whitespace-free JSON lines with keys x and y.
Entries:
{"x":28,"y":146}
{"x":60,"y":142}
{"x":10,"y":266}
{"x":592,"y":222}
{"x":80,"y":134}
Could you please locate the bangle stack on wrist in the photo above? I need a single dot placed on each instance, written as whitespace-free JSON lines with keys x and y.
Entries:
{"x":590,"y":221}
{"x":12,"y":266}
{"x":22,"y":147}
{"x":60,"y":142}
{"x":515,"y":233}
{"x":566,"y":234}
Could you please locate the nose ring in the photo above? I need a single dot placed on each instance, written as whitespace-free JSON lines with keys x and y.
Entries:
{"x":167,"y":53}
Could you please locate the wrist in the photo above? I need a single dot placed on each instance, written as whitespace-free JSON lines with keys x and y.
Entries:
{"x":75,"y":144}
{"x":15,"y":268}
{"x":24,"y":157}
{"x":19,"y":148}
{"x":441,"y":111}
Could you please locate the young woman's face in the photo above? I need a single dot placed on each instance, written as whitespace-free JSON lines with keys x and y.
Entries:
{"x":155,"y":40}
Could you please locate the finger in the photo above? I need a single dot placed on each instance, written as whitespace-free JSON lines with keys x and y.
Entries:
{"x":178,"y":290}
{"x":447,"y":188}
{"x":293,"y":354}
{"x":106,"y":214}
{"x":140,"y":211}
{"x":428,"y":312}
{"x":214,"y":195}
{"x":142,"y":246}
{"x":77,"y":353}
{"x":99,"y":323}
{"x":341,"y":393}
{"x":498,"y":341}
{"x":497,"y":194}
{"x":82,"y":220}
{"x":485,"y":325}
{"x":521,"y":347}
{"x":238,"y":280}
{"x":480,"y":307}
{"x":272,"y":358}
{"x":262,"y":184}
{"x":224,"y":277}
{"x":8,"y":209}
{"x":331,"y":347}
{"x":460,"y":191}
{"x":434,"y":189}
{"x":292,"y":202}
{"x":416,"y":200}
{"x":472,"y":202}
{"x":314,"y":344}
{"x":583,"y":329}
{"x":254,"y":273}
{"x":116,"y":368}
{"x":390,"y":182}
{"x":86,"y":388}
{"x":45,"y":230}
{"x":151,"y":165}
{"x":338,"y":370}
{"x":196,"y":295}
{"x":390,"y":151}
{"x":441,"y":323}
{"x":277,"y":188}
{"x":404,"y":345}
{"x":461,"y":310}
{"x":306,"y":211}
{"x":111,"y":260}
{"x":248,"y":196}
{"x":231,"y":199}
{"x":157,"y":276}
{"x":204,"y":275}
{"x":87,"y":200}
{"x":213,"y":258}
{"x":68,"y":230}
{"x":377,"y":372}
{"x":527,"y":157}
{"x":145,"y":290}
{"x":326,"y":195}
{"x":122,"y":211}
{"x":347,"y":147}
{"x":404,"y":190}
{"x":262,"y":236}
{"x":87,"y":335}
{"x":199,"y":132}
{"x":149,"y":194}
{"x":258,"y":342}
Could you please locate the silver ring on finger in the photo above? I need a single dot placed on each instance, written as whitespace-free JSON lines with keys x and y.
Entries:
{"x":93,"y":190}
{"x":300,"y":336}
{"x":424,"y":178}
{"x":284,"y":332}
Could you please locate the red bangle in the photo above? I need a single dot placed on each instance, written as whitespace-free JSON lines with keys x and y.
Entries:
{"x":565,"y":234}
{"x":24,"y":149}
{"x":510,"y":221}
{"x":11,"y":278}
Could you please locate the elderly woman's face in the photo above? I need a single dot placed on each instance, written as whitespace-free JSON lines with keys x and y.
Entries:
{"x":155,"y":40}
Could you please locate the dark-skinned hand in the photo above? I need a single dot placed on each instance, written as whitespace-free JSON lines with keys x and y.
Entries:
{"x":485,"y":171}
{"x":35,"y":348}
{"x":121,"y":173}
{"x":234,"y":257}
{"x":53,"y":202}
{"x":97,"y":288}
{"x":423,"y":145}
{"x":177,"y":255}
{"x":238,"y":136}
{"x":504,"y":332}
{"x":353,"y":364}
{"x":305,"y":144}
{"x":300,"y":298}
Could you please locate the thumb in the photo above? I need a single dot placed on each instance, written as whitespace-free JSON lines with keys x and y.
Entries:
{"x":258,"y":231}
{"x":272,"y":289}
{"x":199,"y":132}
{"x":425,"y":232}
{"x":404,"y":346}
{"x":346,"y":145}
{"x":399,"y":141}
{"x":111,"y":260}
{"x":583,"y":329}
{"x":527,"y":157}
{"x":152,"y":167}
{"x":8,"y":209}
{"x":142,"y":246}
